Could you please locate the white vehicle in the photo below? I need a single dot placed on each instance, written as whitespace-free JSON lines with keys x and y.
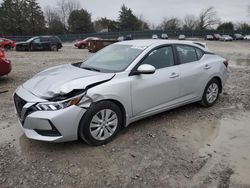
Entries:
{"x":164,"y":36}
{"x":226,"y":38}
{"x":182,"y":37}
{"x":120,"y":84}
{"x":247,"y":37}
{"x":155,"y":37}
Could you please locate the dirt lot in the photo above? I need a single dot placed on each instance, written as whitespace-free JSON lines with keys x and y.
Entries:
{"x":187,"y":147}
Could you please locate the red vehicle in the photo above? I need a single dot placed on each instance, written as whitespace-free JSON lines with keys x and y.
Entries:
{"x":6,"y":43}
{"x":84,"y":43}
{"x":5,"y":65}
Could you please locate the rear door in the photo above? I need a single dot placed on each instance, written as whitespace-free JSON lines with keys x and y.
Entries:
{"x":152,"y":92}
{"x":45,"y":43}
{"x":192,"y":71}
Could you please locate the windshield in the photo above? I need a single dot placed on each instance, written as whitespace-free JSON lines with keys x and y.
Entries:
{"x":31,"y":39}
{"x":114,"y":58}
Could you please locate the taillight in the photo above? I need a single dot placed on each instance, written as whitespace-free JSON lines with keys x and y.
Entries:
{"x":225,"y":63}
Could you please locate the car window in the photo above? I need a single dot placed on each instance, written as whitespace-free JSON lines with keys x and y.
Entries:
{"x":45,"y":39}
{"x":186,"y":54}
{"x":113,"y":58}
{"x":160,"y":58}
{"x":199,"y":53}
{"x":37,"y":40}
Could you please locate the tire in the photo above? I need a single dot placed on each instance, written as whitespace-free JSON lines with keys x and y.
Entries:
{"x":53,"y":48}
{"x":82,"y":46}
{"x":94,"y":129}
{"x":211,"y":93}
{"x":7,"y":47}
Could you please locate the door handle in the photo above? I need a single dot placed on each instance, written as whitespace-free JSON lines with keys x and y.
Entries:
{"x":174,"y":75}
{"x":207,"y":67}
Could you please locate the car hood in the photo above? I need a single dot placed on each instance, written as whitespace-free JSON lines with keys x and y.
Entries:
{"x":21,"y":43}
{"x":62,"y":80}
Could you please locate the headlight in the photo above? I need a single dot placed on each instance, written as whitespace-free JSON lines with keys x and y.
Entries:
{"x":53,"y":106}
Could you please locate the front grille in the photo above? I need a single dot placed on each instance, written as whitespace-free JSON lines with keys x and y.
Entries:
{"x":19,"y":103}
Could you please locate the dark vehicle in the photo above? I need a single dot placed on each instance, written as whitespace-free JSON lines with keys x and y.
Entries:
{"x":5,"y":65}
{"x":6,"y":43}
{"x":209,"y":37}
{"x":51,"y":43}
{"x":238,"y":36}
{"x":216,"y":36}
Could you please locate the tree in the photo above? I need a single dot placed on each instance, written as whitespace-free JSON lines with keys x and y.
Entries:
{"x":11,"y":17}
{"x":18,"y":17}
{"x":207,"y":18}
{"x":190,"y":22}
{"x":170,"y":24}
{"x":35,"y":17}
{"x":104,"y":24}
{"x":80,"y":22}
{"x":226,"y":26}
{"x":243,"y":27}
{"x":143,"y":25}
{"x":54,"y":24}
{"x":128,"y":21}
{"x":65,"y":8}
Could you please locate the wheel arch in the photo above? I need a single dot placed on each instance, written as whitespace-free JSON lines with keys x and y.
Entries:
{"x":122,"y":108}
{"x":220,"y":82}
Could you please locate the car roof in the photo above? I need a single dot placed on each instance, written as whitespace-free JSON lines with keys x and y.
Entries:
{"x":150,"y":42}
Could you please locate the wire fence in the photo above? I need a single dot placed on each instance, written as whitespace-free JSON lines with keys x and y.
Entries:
{"x":137,"y":34}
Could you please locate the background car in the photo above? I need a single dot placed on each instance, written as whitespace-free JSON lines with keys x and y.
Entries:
{"x":127,"y":37}
{"x":84,"y":43}
{"x":247,"y":37}
{"x":164,"y":36}
{"x":39,"y":43}
{"x":120,"y":84}
{"x":155,"y":36}
{"x":226,"y":38}
{"x":216,"y":36}
{"x":209,"y":37}
{"x":182,"y":37}
{"x":6,"y":43}
{"x":238,"y":36}
{"x":5,"y":65}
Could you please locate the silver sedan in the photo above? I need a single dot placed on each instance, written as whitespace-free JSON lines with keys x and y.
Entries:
{"x":120,"y":84}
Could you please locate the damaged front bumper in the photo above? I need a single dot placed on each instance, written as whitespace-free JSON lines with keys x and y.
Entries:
{"x":53,"y":126}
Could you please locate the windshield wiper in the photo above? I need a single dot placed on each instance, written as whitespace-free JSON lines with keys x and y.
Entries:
{"x":91,"y":68}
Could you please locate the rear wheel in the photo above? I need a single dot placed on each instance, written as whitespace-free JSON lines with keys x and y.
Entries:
{"x":100,"y":123}
{"x":211,"y":93}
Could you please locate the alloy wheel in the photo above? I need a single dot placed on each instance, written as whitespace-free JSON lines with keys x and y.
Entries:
{"x":103,"y":124}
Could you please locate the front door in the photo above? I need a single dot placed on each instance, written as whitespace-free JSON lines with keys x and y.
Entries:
{"x":152,"y":92}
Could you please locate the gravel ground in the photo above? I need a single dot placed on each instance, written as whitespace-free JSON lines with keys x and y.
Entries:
{"x":189,"y":146}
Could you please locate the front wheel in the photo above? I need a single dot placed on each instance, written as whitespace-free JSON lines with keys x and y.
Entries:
{"x":53,"y":48}
{"x":211,"y":93}
{"x":100,"y":123}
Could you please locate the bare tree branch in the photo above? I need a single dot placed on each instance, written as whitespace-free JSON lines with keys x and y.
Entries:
{"x":190,"y":22}
{"x":207,"y":18}
{"x":65,"y":7}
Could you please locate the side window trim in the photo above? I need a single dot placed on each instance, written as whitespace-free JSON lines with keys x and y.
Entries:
{"x":145,"y":56}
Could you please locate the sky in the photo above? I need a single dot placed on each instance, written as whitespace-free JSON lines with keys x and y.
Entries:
{"x":154,"y":11}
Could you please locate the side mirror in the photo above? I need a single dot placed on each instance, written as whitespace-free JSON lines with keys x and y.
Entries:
{"x":146,"y":69}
